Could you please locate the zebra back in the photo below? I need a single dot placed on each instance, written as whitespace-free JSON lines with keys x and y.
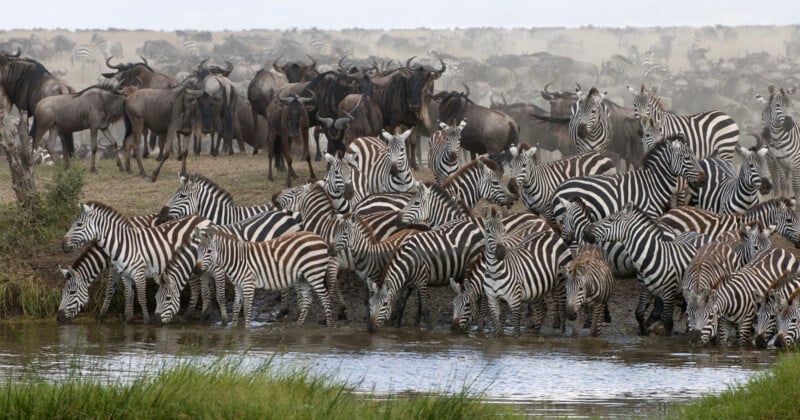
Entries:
{"x":200,"y":196}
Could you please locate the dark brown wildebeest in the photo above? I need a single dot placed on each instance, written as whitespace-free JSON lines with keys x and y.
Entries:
{"x":296,"y":71}
{"x":243,"y":127}
{"x":531,"y":130}
{"x":220,"y":95}
{"x":142,"y":76}
{"x":357,"y":116}
{"x":488,"y":131}
{"x":288,"y":120}
{"x":402,"y":95}
{"x":94,"y":108}
{"x":167,"y":112}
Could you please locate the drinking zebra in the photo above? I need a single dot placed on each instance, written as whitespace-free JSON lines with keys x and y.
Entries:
{"x":782,"y":135}
{"x":768,"y":305}
{"x":589,"y":282}
{"x":659,"y":263}
{"x":538,"y":182}
{"x":136,"y":252}
{"x":707,"y":133}
{"x":590,"y":127}
{"x":522,"y":273}
{"x":301,"y":260}
{"x":787,"y":329}
{"x":444,"y":153}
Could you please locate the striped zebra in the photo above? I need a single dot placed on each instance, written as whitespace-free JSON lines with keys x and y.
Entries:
{"x":444,"y":152}
{"x":522,"y":273}
{"x":339,"y":183}
{"x":730,"y":303}
{"x":787,"y":330}
{"x":83,"y":54}
{"x":783,"y":139}
{"x":198,"y":195}
{"x":590,"y":127}
{"x":189,"y":47}
{"x":300,"y":260}
{"x":726,"y":192}
{"x":707,"y":133}
{"x":768,"y":305}
{"x":537,"y":183}
{"x":179,"y":271}
{"x":426,"y":259}
{"x":481,"y":178}
{"x":659,"y":263}
{"x":778,"y":212}
{"x":634,"y":71}
{"x":589,"y":282}
{"x":721,"y":257}
{"x":383,"y":164}
{"x":135,"y":252}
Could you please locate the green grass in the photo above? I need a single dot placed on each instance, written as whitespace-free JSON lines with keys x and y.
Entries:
{"x":773,"y":394}
{"x":222,"y":389}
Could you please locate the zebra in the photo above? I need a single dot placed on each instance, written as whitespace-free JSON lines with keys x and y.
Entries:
{"x":522,"y":273}
{"x":659,"y":263}
{"x":198,"y":195}
{"x":779,"y":212}
{"x":383,"y":164}
{"x":300,"y":259}
{"x":726,"y":193}
{"x":721,"y":257}
{"x":83,"y":54}
{"x":537,"y":183}
{"x":590,"y":127}
{"x":135,"y":252}
{"x":787,"y":329}
{"x":768,"y":305}
{"x":179,"y":271}
{"x":426,"y":259}
{"x":189,"y":47}
{"x":444,"y":152}
{"x":782,"y":135}
{"x":589,"y":282}
{"x":630,"y":70}
{"x":481,"y":178}
{"x":707,"y":133}
{"x":731,"y":300}
{"x":339,"y":184}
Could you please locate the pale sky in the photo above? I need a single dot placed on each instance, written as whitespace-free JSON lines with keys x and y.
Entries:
{"x":217,"y":15}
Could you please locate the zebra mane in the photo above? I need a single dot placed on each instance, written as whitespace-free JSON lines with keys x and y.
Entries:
{"x":445,"y":197}
{"x":365,"y":228}
{"x":105,"y":208}
{"x":523,"y":147}
{"x":657,"y":148}
{"x":773,"y":202}
{"x":470,"y":167}
{"x":320,"y":190}
{"x":224,"y":235}
{"x":85,"y":255}
{"x":227,"y":198}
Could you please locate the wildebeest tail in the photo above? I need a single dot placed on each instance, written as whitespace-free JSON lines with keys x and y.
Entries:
{"x":127,"y":120}
{"x":68,"y":144}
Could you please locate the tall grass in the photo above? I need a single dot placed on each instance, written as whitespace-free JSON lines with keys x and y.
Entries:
{"x":773,"y":394}
{"x":222,"y":389}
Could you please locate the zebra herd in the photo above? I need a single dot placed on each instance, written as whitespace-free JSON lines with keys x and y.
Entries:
{"x":691,"y":229}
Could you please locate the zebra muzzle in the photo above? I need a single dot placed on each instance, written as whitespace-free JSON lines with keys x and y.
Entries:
{"x":589,"y":236}
{"x":349,"y":191}
{"x":761,"y":341}
{"x":765,"y":187}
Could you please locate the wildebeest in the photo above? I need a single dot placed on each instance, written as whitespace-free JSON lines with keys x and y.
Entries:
{"x":488,"y":131}
{"x":532,"y":130}
{"x":243,"y":127}
{"x":220,"y":95}
{"x":288,"y":120}
{"x":24,"y":82}
{"x":166,"y":112}
{"x":260,"y":93}
{"x":95,"y":108}
{"x":357,"y":116}
{"x":296,"y":71}
{"x":402,"y":95}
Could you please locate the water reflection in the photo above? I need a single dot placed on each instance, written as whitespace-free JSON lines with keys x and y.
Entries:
{"x":547,"y":375}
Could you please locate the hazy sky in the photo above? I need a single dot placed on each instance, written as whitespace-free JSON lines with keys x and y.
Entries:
{"x":377,"y":14}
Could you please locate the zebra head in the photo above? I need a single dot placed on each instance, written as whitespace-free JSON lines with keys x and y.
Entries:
{"x":652,"y":132}
{"x":74,"y":294}
{"x":344,"y":231}
{"x":490,"y":183}
{"x":85,"y":227}
{"x":590,"y":125}
{"x":206,"y":248}
{"x":676,"y":158}
{"x":787,"y":219}
{"x":578,"y":280}
{"x":380,"y":305}
{"x":645,"y":102}
{"x":766,"y":310}
{"x":168,"y":299}
{"x":396,"y":150}
{"x":452,"y":135}
{"x":522,"y":158}
{"x":786,"y":321}
{"x":776,"y":115}
{"x":466,"y":298}
{"x":418,"y":209}
{"x":754,"y":170}
{"x":339,"y":177}
{"x":573,"y":220}
{"x":186,"y":199}
{"x":289,"y":198}
{"x":616,"y":227}
{"x":495,"y":233}
{"x":706,"y":315}
{"x":754,"y":238}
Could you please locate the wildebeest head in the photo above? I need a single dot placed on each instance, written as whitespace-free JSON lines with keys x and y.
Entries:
{"x":335,"y":128}
{"x":204,"y":70}
{"x":129,"y":74}
{"x":560,"y":102}
{"x":453,"y":105}
{"x":295,"y":111}
{"x":419,"y":80}
{"x":296,"y":71}
{"x":357,"y":77}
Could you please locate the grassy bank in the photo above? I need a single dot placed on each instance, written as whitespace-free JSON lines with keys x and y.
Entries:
{"x":773,"y":394}
{"x":223,"y":390}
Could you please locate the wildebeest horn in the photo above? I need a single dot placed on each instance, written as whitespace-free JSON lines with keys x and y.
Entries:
{"x":408,"y":63}
{"x":228,"y":67}
{"x":288,"y":99}
{"x":275,"y":64}
{"x":546,"y":94}
{"x":19,"y":52}
{"x":341,"y":68}
{"x":144,"y":60}
{"x":503,"y":95}
{"x":578,"y":87}
{"x":313,"y":62}
{"x":311,"y":98}
{"x":108,"y":63}
{"x":202,"y":64}
{"x":444,"y":66}
{"x":353,"y":111}
{"x":340,"y":122}
{"x":327,"y":121}
{"x":466,"y":94}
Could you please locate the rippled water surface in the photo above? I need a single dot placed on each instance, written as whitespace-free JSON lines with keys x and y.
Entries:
{"x":546,"y":375}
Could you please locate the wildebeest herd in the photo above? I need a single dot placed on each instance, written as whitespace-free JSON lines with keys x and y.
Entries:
{"x":685,"y":221}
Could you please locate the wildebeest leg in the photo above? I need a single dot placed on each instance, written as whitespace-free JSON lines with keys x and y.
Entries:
{"x":413,"y":152}
{"x":315,"y":132}
{"x":197,"y":144}
{"x":166,"y":148}
{"x":138,"y":127}
{"x":113,"y":140}
{"x":286,"y":145}
{"x":146,"y":150}
{"x":93,"y":135}
{"x":271,"y":141}
{"x":183,"y":153}
{"x":66,"y":139}
{"x":307,"y":156}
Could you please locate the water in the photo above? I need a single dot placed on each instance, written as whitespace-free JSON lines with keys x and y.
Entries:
{"x":545,"y":375}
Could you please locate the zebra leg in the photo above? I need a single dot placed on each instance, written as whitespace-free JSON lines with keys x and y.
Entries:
{"x":744,"y":330}
{"x":334,"y":287}
{"x":597,"y":317}
{"x":237,"y":305}
{"x":140,"y":282}
{"x":322,"y":291}
{"x":515,"y":307}
{"x":641,"y":308}
{"x":424,"y":299}
{"x":247,"y":297}
{"x":111,"y":287}
{"x":667,"y":314}
{"x":219,"y":283}
{"x":304,"y":299}
{"x":128,"y":292}
{"x":538,"y":311}
{"x":559,"y":295}
{"x":657,"y":313}
{"x":194,"y":296}
{"x":494,"y":307}
{"x":205,"y":292}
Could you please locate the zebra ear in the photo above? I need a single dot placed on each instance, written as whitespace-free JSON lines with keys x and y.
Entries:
{"x":87,"y":208}
{"x":329,"y":158}
{"x":653,"y":91}
{"x":514,"y":151}
{"x":443,"y":126}
{"x":743,"y":151}
{"x":455,"y":286}
{"x":463,"y":123}
{"x":769,"y":230}
{"x":632,"y":90}
{"x":386,"y":135}
{"x":563,"y":270}
{"x":564,"y":203}
{"x":762,"y":151}
{"x":404,"y":136}
{"x":64,"y":272}
{"x":531,"y":152}
{"x":761,"y":99}
{"x":373,"y":287}
{"x":792,"y":89}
